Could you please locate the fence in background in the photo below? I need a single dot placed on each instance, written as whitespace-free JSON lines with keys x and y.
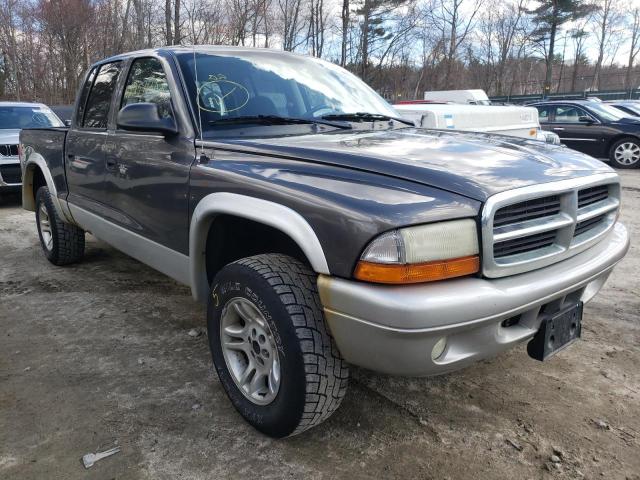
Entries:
{"x":602,"y":94}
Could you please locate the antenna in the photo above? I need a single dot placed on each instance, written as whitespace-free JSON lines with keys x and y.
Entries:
{"x":195,"y":80}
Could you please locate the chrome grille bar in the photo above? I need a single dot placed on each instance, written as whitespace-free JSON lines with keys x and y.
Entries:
{"x":532,"y":227}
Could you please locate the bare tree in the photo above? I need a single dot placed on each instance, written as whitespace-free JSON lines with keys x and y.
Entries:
{"x":455,"y":27}
{"x":290,"y":12}
{"x":498,"y":30}
{"x":605,"y":21}
{"x":167,"y":23}
{"x":317,"y":27}
{"x":634,"y":46}
{"x":579,"y":37}
{"x":345,"y":17}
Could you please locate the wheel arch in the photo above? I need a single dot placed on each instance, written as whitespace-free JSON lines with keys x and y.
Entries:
{"x":36,"y":174}
{"x":32,"y":179}
{"x":272,"y":216}
{"x":619,"y":137}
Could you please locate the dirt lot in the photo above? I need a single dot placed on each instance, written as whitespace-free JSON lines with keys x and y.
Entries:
{"x":99,"y":354}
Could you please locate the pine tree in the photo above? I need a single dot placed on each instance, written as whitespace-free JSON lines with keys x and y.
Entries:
{"x":548,"y":19}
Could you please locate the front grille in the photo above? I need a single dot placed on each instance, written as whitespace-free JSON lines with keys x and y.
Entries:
{"x":527,"y":210}
{"x":11,"y":173}
{"x":524,"y":244}
{"x":535,"y":226}
{"x":585,"y":226}
{"x":591,"y":195}
{"x":9,"y":150}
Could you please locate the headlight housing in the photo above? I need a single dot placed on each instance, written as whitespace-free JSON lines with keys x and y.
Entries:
{"x":423,"y":253}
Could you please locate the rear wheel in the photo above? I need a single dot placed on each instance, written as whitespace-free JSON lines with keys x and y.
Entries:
{"x":271,"y":348}
{"x":61,"y":242}
{"x":625,"y":153}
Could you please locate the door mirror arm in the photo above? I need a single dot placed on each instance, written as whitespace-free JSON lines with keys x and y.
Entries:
{"x":144,"y":117}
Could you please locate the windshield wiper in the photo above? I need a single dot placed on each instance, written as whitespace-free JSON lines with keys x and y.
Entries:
{"x":365,"y":117}
{"x":274,"y":120}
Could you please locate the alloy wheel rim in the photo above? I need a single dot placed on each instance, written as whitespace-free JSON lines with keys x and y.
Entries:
{"x":45,"y":227}
{"x":627,"y":153}
{"x":250,"y":351}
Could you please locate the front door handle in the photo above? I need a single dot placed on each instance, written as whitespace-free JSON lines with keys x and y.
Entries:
{"x":559,"y":129}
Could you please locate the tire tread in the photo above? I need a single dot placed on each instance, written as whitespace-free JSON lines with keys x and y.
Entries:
{"x":327,"y":374}
{"x":68,"y":239}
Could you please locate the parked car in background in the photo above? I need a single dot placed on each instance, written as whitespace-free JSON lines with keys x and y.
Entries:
{"x":511,"y":120}
{"x":64,"y":112}
{"x":594,"y":128}
{"x":15,"y":116}
{"x":630,"y":107}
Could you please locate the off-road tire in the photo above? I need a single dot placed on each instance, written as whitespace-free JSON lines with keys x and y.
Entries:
{"x":67,"y":240}
{"x":314,"y":376}
{"x":612,"y":151}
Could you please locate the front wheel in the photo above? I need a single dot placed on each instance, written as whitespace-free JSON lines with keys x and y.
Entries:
{"x":625,"y":153}
{"x":271,"y":348}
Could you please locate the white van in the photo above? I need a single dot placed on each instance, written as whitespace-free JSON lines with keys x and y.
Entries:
{"x":467,"y":97}
{"x":515,"y":121}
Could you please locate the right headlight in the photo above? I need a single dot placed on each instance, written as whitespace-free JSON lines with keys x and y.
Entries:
{"x":423,"y":253}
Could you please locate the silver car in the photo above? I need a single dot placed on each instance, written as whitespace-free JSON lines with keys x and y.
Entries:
{"x":15,"y":116}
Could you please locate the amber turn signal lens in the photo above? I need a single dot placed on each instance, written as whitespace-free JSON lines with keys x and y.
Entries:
{"x":417,"y":272}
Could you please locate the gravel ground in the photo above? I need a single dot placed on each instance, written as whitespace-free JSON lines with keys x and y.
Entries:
{"x":99,"y":354}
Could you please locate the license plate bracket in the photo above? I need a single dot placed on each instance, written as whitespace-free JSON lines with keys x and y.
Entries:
{"x":556,"y":332}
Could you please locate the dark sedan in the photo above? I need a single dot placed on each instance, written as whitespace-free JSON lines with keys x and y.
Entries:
{"x":594,"y":128}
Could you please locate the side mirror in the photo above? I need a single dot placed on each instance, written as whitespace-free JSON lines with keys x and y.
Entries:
{"x":67,"y":123}
{"x":585,"y":119}
{"x":144,"y":117}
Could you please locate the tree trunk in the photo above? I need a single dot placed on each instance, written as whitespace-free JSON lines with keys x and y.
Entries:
{"x":552,"y":41}
{"x":176,"y":24}
{"x":364,"y":41}
{"x":138,"y":7}
{"x":345,"y":28}
{"x":167,"y":22}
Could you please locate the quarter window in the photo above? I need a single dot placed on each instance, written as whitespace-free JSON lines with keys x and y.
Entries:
{"x":96,"y":114}
{"x":147,"y":83}
{"x":83,"y":96}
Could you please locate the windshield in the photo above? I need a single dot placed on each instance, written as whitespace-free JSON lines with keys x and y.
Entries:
{"x":607,"y":112}
{"x":275,"y":84}
{"x":18,"y":117}
{"x":633,"y":108}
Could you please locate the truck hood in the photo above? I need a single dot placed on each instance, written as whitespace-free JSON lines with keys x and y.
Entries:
{"x":9,"y":137}
{"x":475,"y":165}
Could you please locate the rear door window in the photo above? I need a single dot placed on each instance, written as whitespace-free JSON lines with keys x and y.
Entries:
{"x":569,"y":114}
{"x":544,"y":113}
{"x":96,"y":113}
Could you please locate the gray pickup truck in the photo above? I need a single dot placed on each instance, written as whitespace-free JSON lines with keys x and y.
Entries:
{"x":322,"y":229}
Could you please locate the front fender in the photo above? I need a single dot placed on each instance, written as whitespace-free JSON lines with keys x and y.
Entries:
{"x":273,"y":214}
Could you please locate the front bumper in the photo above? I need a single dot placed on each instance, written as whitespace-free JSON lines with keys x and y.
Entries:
{"x":393,"y":329}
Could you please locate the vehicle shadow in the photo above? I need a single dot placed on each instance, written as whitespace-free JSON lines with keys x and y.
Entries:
{"x":10,"y":200}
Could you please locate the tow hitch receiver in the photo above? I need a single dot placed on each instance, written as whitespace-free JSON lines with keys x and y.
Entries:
{"x":556,"y":332}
